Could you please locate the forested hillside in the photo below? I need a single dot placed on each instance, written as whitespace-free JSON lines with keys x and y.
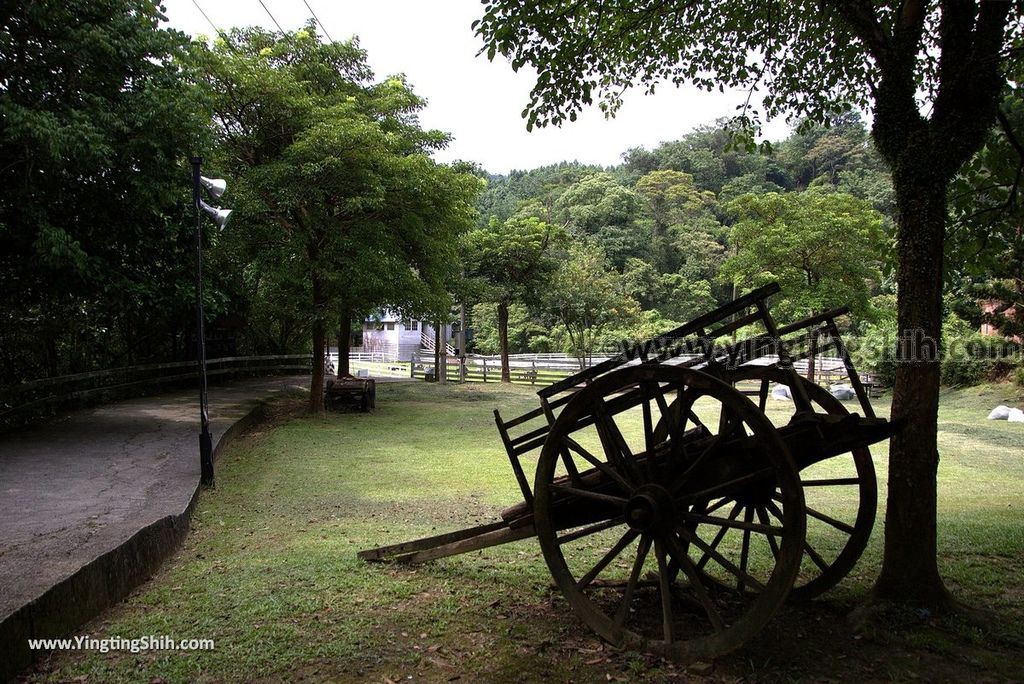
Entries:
{"x":681,"y":228}
{"x":97,"y":237}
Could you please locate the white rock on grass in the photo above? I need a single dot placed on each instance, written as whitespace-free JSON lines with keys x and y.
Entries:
{"x":1000,"y":413}
{"x":843,"y":392}
{"x":781,"y":393}
{"x":1016,"y":416}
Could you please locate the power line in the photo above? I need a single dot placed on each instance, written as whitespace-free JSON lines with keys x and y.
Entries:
{"x":271,"y":17}
{"x":212,"y":25}
{"x":322,"y":27}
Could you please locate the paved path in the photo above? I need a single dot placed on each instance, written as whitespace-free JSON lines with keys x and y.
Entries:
{"x":78,"y":487}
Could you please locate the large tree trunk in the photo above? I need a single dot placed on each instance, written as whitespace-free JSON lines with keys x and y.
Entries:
{"x":344,"y":338}
{"x":506,"y":375}
{"x":923,"y":156}
{"x":316,"y":385}
{"x":910,"y":571}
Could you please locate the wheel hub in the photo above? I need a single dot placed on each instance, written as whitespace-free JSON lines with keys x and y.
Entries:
{"x":651,"y":508}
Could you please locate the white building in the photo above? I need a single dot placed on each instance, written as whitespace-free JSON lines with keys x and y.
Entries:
{"x":396,"y":338}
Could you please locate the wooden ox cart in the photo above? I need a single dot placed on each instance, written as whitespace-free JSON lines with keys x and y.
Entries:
{"x":675,"y":513}
{"x":350,"y":391}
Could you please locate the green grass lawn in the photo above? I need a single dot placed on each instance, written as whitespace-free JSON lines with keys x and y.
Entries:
{"x":270,"y":570}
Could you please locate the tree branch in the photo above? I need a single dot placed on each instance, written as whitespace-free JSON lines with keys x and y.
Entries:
{"x":860,"y":16}
{"x":1004,"y":123}
{"x":971,"y":39}
{"x":911,"y":14}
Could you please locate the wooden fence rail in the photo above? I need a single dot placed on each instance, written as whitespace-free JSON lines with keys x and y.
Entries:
{"x":545,"y":371}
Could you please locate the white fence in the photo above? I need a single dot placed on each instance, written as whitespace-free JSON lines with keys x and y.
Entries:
{"x":545,"y":369}
{"x":383,"y":356}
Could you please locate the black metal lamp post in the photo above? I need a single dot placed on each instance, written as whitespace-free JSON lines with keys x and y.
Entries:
{"x":216,"y":188}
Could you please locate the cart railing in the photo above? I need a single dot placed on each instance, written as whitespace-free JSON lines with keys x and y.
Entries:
{"x":684,"y":339}
{"x":693,"y":345}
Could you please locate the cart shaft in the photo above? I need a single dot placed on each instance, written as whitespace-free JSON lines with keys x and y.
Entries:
{"x":453,"y":543}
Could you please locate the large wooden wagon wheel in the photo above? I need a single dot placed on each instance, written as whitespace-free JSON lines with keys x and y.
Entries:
{"x":616,"y":511}
{"x":840,"y":493}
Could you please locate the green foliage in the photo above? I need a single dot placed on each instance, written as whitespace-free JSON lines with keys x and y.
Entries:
{"x":874,"y":348}
{"x":581,"y":53}
{"x":340,"y":207}
{"x":506,"y":263}
{"x":963,"y":372}
{"x":660,"y":222}
{"x":539,"y":188}
{"x":708,"y":155}
{"x":525,"y":333}
{"x":686,"y":298}
{"x":970,"y":358}
{"x":590,"y":299}
{"x":512,"y":260}
{"x":600,"y":207}
{"x":818,"y":245}
{"x":671,"y":197}
{"x":94,"y":228}
{"x":986,"y":246}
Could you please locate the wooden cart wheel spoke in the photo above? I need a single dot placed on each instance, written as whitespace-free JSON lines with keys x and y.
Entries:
{"x":833,"y":491}
{"x":695,"y":419}
{"x":589,"y":494}
{"x":589,"y":530}
{"x":608,"y":557}
{"x":683,"y":559}
{"x":745,"y":524}
{"x":696,"y":463}
{"x":838,"y":524}
{"x":729,"y":424}
{"x":720,"y":489}
{"x":748,"y":516}
{"x":686,"y":408}
{"x":649,"y":442}
{"x":659,"y":396}
{"x":720,"y":535}
{"x":808,"y":549}
{"x":571,"y":469}
{"x":836,"y":481}
{"x":651,"y":404}
{"x":615,"y":448}
{"x":762,"y":517}
{"x":719,"y":558}
{"x":604,"y":467}
{"x":672,"y":425}
{"x":776,"y":511}
{"x":762,"y":398}
{"x":643,"y":548}
{"x":664,"y":588}
{"x":722,"y":503}
{"x":816,"y":557}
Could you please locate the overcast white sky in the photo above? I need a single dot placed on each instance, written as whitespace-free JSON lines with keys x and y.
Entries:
{"x":477,"y":101}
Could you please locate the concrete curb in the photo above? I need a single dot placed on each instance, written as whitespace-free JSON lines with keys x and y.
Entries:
{"x":106,"y":579}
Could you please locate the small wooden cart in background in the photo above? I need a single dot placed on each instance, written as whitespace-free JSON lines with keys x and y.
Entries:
{"x":350,"y":391}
